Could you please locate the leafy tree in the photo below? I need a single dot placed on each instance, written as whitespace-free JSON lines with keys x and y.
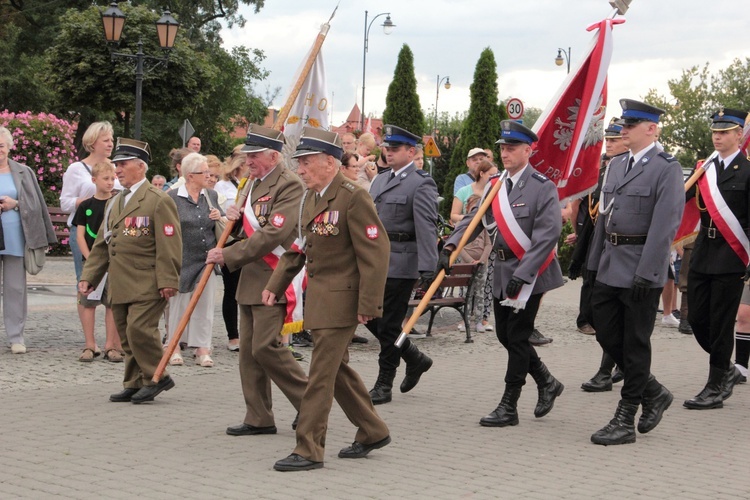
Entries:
{"x":694,"y":97}
{"x":402,"y":101}
{"x":21,"y":87}
{"x":481,"y":129}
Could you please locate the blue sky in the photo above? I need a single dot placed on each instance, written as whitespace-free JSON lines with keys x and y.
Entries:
{"x":658,"y":41}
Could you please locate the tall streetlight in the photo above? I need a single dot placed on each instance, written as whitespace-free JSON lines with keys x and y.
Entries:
{"x":113,"y":20}
{"x":437,"y":95}
{"x":559,"y":58}
{"x":387,"y":29}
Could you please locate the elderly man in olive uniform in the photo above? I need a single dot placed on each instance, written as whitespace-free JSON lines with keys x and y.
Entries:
{"x":140,"y":244}
{"x":525,"y":268}
{"x":269,"y":217}
{"x":640,"y":208}
{"x":720,"y":256}
{"x":343,"y":244}
{"x":406,"y":200}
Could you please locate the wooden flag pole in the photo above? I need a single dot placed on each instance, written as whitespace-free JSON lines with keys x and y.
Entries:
{"x":454,"y":255}
{"x":699,"y":171}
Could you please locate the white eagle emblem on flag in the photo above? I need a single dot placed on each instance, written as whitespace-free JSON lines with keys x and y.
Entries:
{"x":564,"y":133}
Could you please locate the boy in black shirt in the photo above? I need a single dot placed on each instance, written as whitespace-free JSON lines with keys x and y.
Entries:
{"x":88,"y":219}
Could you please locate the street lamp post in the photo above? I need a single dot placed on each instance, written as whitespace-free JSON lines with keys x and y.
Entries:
{"x":437,"y":95}
{"x":387,"y":29}
{"x":559,"y":58}
{"x":113,"y":20}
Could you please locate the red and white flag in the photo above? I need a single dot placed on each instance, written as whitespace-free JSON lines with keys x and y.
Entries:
{"x":745,"y":142}
{"x":571,"y":129}
{"x":310,"y":109}
{"x":368,"y":126}
{"x":691,"y":218}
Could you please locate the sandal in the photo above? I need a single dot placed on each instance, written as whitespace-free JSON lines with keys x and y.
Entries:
{"x":176,"y":360}
{"x":87,"y":355}
{"x":204,"y":360}
{"x":113,"y":356}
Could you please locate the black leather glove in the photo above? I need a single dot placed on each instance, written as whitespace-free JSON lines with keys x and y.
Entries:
{"x":426,"y":278}
{"x":574,"y":271}
{"x":513,"y":288}
{"x":444,"y":261}
{"x":640,"y":288}
{"x":747,"y":274}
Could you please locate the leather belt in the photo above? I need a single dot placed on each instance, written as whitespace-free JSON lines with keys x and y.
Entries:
{"x":504,"y":254}
{"x":711,"y":232}
{"x":625,"y":239}
{"x":402,"y":237}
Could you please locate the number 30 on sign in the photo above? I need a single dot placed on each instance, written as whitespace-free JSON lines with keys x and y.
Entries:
{"x":514,"y":108}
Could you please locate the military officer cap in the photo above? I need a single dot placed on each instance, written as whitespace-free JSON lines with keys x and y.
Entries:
{"x":315,"y":140}
{"x":130,"y":149}
{"x":396,"y":136}
{"x":727,"y":119}
{"x":614,"y":130}
{"x":635,"y":112}
{"x":512,"y":132}
{"x":262,"y":138}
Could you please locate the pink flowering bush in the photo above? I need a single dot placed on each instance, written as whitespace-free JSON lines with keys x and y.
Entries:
{"x":44,"y":143}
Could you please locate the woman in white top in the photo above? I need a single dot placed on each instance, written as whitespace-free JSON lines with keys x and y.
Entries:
{"x":235,"y":170}
{"x":77,"y":186}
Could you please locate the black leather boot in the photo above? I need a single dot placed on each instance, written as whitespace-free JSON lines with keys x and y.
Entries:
{"x":619,"y":430}
{"x":731,"y":377}
{"x":601,"y":382}
{"x":549,"y":388}
{"x":505,"y":413}
{"x":656,"y":400}
{"x":416,"y":364}
{"x":381,"y":392}
{"x":710,"y":396}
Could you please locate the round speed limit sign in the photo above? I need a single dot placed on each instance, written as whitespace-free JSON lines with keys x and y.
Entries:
{"x":514,"y":108}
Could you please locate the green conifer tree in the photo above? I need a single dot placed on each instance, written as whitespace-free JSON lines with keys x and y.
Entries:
{"x":402,"y":106}
{"x":482,"y":125}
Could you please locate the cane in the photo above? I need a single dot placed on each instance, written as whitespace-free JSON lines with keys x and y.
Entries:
{"x":439,"y":278}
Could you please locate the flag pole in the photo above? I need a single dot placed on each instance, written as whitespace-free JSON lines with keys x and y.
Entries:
{"x":303,"y":74}
{"x":454,"y":255}
{"x":240,"y":202}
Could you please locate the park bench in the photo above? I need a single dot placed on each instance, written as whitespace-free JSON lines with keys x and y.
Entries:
{"x":59,"y":221}
{"x":462,"y":275}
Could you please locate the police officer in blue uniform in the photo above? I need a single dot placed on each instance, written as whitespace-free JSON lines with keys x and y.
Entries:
{"x":640,"y":209}
{"x":406,"y":201}
{"x":536,"y":211}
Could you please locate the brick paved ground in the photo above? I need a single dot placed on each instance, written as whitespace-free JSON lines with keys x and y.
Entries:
{"x":61,"y":437}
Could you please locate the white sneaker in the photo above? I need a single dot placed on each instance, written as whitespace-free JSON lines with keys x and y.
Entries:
{"x":461,"y":327}
{"x":18,"y":349}
{"x":670,"y":321}
{"x":480,"y":328}
{"x":488,"y":327}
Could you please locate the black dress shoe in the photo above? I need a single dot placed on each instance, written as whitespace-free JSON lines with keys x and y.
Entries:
{"x":359,"y":450}
{"x":359,"y":340}
{"x":295,"y":462}
{"x":123,"y":396}
{"x":249,"y":430}
{"x":149,"y":392}
{"x":537,"y":339}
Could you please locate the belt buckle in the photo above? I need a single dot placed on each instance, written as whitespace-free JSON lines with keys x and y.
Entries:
{"x":613,"y":239}
{"x":501,"y":253}
{"x":712,"y":233}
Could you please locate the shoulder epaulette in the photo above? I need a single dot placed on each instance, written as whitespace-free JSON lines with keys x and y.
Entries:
{"x":539,"y":177}
{"x":667,"y":156}
{"x":422,"y":173}
{"x":348,"y":185}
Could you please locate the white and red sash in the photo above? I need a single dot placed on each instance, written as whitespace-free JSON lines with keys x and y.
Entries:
{"x":722,"y":215}
{"x":517,"y":241}
{"x":293,"y":320}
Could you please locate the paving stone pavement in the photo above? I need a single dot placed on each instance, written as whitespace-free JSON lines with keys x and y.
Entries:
{"x":62,"y":438}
